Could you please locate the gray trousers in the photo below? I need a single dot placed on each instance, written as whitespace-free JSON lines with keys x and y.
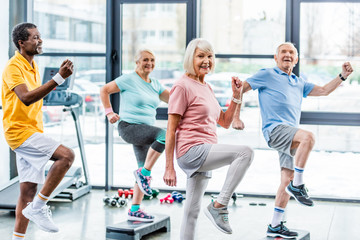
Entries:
{"x":238,"y":158}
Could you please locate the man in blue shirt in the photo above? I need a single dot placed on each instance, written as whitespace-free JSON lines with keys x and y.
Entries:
{"x":280,"y":97}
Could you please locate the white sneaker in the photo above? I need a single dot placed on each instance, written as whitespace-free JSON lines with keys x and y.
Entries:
{"x":41,"y":217}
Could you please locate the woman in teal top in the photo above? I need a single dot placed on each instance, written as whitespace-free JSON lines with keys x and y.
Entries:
{"x":140,"y":96}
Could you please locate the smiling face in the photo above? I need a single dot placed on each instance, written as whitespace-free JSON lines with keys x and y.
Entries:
{"x":146,"y":64}
{"x":203,"y":62}
{"x":33,"y":45}
{"x":286,"y":58}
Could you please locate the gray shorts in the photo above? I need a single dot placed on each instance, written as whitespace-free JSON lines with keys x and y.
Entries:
{"x":280,"y":139}
{"x":193,"y":159}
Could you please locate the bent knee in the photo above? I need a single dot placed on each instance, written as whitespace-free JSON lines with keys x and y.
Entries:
{"x":248,"y":154}
{"x":68,"y":157}
{"x":308,"y":138}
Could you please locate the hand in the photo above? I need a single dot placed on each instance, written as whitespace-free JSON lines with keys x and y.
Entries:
{"x":236,"y":86}
{"x":346,"y":69}
{"x":66,"y":69}
{"x":238,"y":124}
{"x":113,"y":117}
{"x":170,"y":177}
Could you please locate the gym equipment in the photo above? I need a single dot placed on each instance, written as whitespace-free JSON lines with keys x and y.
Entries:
{"x":302,"y":235}
{"x":115,"y":201}
{"x":126,"y":193}
{"x":135,"y":230}
{"x":234,"y":196}
{"x":155,"y":193}
{"x":70,"y":188}
{"x":167,"y":199}
{"x":178,"y":197}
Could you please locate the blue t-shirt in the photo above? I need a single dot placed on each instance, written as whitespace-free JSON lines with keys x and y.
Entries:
{"x":280,"y":97}
{"x":139,"y":99}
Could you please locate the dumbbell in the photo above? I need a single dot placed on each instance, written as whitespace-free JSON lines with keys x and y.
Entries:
{"x":155,"y":193}
{"x":167,"y":199}
{"x":121,"y":202}
{"x":126,"y":193}
{"x":178,"y":197}
{"x":110,"y":201}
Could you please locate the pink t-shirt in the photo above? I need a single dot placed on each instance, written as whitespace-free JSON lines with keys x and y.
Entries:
{"x":199,"y":110}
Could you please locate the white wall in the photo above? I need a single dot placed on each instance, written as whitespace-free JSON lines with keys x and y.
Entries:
{"x":4,"y":46}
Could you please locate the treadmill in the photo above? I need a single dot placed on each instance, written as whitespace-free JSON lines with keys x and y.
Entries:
{"x":71,"y":187}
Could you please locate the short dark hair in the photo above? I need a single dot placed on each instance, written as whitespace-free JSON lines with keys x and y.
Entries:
{"x":20,"y":32}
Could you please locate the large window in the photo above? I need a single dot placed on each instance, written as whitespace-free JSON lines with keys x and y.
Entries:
{"x":76,"y":31}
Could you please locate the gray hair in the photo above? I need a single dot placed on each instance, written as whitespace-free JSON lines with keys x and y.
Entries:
{"x":201,"y":44}
{"x":286,"y":43}
{"x":139,"y":53}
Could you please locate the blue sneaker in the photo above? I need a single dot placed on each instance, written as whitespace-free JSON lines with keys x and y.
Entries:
{"x":143,"y":182}
{"x":280,"y":231}
{"x":299,"y":193}
{"x":140,"y":216}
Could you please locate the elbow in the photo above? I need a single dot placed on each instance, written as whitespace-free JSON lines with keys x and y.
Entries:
{"x":27,"y":101}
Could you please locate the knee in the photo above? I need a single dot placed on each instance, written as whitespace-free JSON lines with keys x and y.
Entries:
{"x":309,"y":139}
{"x":248,"y":154}
{"x":68,"y":157}
{"x":28,"y":194}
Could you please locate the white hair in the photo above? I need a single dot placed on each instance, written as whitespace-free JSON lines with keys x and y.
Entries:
{"x":286,"y":43}
{"x":139,"y":54}
{"x":197,"y":43}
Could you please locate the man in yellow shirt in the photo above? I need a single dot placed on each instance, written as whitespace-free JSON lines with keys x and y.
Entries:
{"x":22,"y":95}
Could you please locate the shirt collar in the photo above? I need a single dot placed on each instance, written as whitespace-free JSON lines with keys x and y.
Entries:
{"x":279,"y":71}
{"x":25,"y":62}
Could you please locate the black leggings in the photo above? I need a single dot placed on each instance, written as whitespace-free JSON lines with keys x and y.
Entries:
{"x":142,"y":136}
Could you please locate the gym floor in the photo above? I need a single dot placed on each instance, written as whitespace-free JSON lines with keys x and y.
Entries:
{"x":87,"y":218}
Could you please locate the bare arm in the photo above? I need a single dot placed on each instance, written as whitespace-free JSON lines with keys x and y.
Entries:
{"x":105,"y":93}
{"x":333,"y":84}
{"x":170,"y":174}
{"x":30,"y":97}
{"x":237,"y":123}
{"x":226,"y":118}
{"x":164,"y":96}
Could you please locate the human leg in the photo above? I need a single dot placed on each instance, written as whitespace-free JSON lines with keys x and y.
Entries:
{"x":31,"y":158}
{"x":277,"y":227}
{"x":195,"y":189}
{"x":27,"y":193}
{"x":239,"y":159}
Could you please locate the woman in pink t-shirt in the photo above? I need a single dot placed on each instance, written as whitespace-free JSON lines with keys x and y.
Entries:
{"x":193,"y":116}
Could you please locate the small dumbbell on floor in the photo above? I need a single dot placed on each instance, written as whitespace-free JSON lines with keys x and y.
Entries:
{"x":155,"y":193}
{"x":178,"y":197}
{"x":121,"y":202}
{"x":126,"y":193}
{"x":110,"y":201}
{"x":167,"y":199}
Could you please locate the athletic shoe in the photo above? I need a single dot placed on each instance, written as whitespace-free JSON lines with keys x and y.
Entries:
{"x":41,"y":217}
{"x":299,"y":193}
{"x":280,"y":231}
{"x":219,"y":217}
{"x":140,"y":215}
{"x":143,"y":182}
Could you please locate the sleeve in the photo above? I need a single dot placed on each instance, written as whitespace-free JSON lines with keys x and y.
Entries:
{"x":160,"y":88}
{"x":258,"y":80}
{"x":13,"y":77}
{"x":308,"y":87}
{"x":177,"y":101}
{"x":122,"y":82}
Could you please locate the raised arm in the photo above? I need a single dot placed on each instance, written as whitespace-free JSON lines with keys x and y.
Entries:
{"x":105,"y":93}
{"x":30,"y":97}
{"x":170,"y":174}
{"x":226,"y":118}
{"x":237,"y":123}
{"x":333,"y":84}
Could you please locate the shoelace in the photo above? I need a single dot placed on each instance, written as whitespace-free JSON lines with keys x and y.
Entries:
{"x":283,"y":226}
{"x":46,"y":211}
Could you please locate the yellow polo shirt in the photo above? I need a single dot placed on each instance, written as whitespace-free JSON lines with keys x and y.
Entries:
{"x":20,"y":121}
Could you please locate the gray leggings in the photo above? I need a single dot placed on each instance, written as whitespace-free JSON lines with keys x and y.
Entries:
{"x":238,"y":158}
{"x":142,"y":137}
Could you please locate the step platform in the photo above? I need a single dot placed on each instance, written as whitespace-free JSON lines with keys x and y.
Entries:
{"x":302,"y":235}
{"x":135,"y":230}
